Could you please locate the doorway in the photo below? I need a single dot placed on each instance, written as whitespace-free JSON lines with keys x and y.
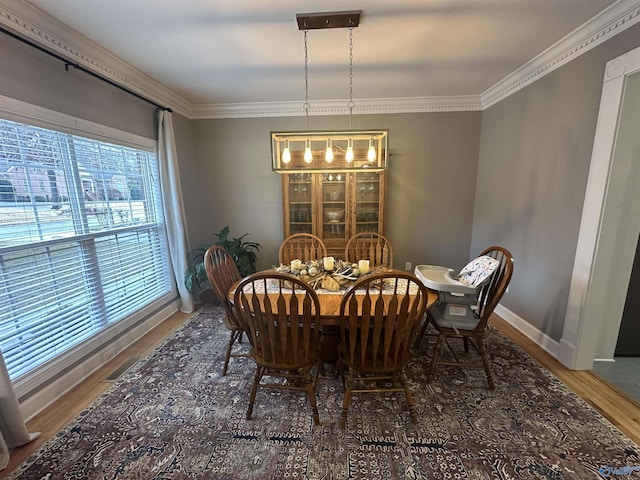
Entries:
{"x":624,"y":370}
{"x":628,"y":344}
{"x":604,"y":301}
{"x":610,"y":225}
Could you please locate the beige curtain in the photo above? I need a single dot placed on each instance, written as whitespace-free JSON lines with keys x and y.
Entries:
{"x":13,"y":431}
{"x":173,"y":207}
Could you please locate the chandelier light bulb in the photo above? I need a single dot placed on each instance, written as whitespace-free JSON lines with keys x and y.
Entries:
{"x":308,"y":156}
{"x":328,"y":156}
{"x":349,"y":155}
{"x":286,"y":153}
{"x":371,"y":154}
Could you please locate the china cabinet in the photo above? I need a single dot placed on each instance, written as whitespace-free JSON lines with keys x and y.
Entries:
{"x":333,"y":205}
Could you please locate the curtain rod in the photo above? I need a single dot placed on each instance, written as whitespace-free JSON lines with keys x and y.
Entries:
{"x":77,"y":66}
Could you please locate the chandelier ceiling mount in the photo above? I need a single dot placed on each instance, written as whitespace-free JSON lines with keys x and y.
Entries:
{"x":317,"y":21}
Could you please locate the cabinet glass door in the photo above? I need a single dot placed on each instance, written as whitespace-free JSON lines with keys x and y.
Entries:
{"x":367,"y":193}
{"x":300,"y":203}
{"x":334,"y":214}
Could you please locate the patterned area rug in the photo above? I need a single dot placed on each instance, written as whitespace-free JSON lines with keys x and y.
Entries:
{"x":173,"y":416}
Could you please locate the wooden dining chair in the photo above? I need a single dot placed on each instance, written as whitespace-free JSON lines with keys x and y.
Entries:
{"x":302,"y":246}
{"x":374,"y":247}
{"x":222,"y":272}
{"x":380,"y":316}
{"x":284,"y":331}
{"x":473,"y":334}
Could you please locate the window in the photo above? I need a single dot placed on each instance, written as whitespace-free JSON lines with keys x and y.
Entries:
{"x":82,"y":240}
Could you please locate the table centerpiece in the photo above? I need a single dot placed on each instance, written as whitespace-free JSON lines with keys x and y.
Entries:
{"x":328,"y":273}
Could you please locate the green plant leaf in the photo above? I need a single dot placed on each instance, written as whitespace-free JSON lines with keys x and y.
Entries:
{"x":243,"y":253}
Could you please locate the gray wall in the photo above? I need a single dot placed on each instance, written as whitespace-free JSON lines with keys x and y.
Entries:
{"x":430,"y":190}
{"x":34,"y":77}
{"x":534,"y":161}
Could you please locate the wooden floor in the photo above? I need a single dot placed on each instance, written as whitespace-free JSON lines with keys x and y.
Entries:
{"x":613,"y":405}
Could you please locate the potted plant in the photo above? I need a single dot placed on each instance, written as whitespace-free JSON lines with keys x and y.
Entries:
{"x":243,"y":253}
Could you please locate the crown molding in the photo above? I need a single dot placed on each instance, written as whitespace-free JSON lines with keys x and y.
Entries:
{"x":338,"y":107}
{"x":34,"y":24}
{"x":608,"y":23}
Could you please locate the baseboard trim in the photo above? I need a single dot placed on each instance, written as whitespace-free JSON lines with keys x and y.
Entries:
{"x":541,"y":339}
{"x":36,"y":401}
{"x":566,"y":353}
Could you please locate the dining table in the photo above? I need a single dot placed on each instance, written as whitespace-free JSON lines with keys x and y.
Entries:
{"x":330,"y":313}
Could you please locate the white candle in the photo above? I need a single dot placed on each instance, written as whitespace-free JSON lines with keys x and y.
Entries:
{"x":327,"y":263}
{"x":296,"y":265}
{"x":363,"y":266}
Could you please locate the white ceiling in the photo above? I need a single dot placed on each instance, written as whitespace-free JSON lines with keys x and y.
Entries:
{"x":244,"y":51}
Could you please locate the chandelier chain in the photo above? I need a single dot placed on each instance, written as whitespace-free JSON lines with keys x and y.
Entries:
{"x":351,"y":104}
{"x":306,"y":77}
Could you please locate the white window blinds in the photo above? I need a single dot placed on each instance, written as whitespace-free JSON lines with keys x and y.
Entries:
{"x":82,"y":242}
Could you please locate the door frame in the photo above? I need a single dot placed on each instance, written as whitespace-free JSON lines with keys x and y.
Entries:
{"x":597,"y":294}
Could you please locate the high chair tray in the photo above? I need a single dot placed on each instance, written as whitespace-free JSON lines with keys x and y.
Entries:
{"x":441,"y":279}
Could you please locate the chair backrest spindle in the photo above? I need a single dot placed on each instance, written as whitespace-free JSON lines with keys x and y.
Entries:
{"x":222,"y":273}
{"x":374,"y":247}
{"x":301,"y":246}
{"x":380,"y":317}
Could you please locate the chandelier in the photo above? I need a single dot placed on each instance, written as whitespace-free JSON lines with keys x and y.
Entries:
{"x":324,"y":151}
